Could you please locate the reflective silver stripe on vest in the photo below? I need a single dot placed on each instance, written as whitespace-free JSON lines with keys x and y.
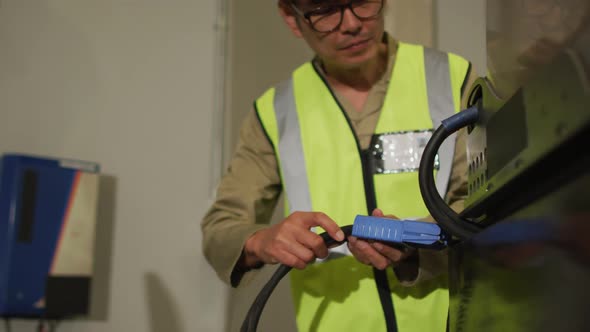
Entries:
{"x":441,"y":106}
{"x":291,"y":155}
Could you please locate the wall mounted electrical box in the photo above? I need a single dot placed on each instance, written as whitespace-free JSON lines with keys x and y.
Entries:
{"x":48,"y":211}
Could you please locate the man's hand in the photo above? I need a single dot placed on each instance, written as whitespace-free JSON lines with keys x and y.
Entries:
{"x":291,"y":242}
{"x":376,"y":254}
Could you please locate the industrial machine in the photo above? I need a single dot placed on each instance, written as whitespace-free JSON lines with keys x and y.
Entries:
{"x":528,"y":268}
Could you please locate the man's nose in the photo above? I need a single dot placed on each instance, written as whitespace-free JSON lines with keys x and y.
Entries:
{"x":350,"y":23}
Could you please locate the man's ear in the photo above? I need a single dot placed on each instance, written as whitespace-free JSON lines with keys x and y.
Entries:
{"x":290,"y":19}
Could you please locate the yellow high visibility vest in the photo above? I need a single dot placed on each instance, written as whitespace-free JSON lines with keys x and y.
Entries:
{"x":322,"y":170}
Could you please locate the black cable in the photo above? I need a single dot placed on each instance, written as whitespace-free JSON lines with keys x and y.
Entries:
{"x":384,"y":292}
{"x":448,"y":219}
{"x":253,"y":317}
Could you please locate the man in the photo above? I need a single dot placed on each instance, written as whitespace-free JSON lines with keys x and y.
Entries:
{"x":342,"y":137}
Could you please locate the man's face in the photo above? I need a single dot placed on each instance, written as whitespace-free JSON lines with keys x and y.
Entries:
{"x":355,"y":42}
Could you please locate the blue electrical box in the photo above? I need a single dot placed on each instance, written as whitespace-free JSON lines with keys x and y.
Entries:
{"x":47,"y":229}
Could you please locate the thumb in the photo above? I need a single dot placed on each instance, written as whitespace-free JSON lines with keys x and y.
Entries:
{"x":377,"y":213}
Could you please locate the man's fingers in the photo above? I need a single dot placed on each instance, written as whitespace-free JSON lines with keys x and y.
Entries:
{"x":375,"y":258}
{"x":329,"y":225}
{"x":368,"y":254}
{"x":355,"y":251}
{"x":379,"y":213}
{"x":314,"y":242}
{"x":321,"y":219}
{"x":300,"y":251}
{"x":394,"y":255}
{"x":286,"y":258}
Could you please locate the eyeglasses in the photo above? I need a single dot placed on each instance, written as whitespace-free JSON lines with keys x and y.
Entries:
{"x":328,"y":17}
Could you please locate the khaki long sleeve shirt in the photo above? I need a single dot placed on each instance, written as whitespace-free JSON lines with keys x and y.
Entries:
{"x":249,"y":191}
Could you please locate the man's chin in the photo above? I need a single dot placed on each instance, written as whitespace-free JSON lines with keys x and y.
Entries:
{"x":358,"y":60}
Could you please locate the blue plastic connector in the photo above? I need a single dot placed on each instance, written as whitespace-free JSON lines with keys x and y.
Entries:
{"x":461,"y":119}
{"x":407,"y":232}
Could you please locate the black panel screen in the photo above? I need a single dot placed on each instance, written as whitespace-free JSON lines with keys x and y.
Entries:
{"x":28,"y":200}
{"x":506,"y":133}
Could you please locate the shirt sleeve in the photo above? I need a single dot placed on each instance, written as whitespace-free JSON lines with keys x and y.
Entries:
{"x":246,"y":198}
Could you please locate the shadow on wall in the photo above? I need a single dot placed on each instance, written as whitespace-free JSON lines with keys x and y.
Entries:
{"x":162,"y":309}
{"x":103,"y":248}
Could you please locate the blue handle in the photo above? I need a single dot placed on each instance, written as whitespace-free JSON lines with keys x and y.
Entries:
{"x":408,"y":232}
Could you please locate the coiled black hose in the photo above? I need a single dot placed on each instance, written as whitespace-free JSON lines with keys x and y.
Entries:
{"x":445,"y":217}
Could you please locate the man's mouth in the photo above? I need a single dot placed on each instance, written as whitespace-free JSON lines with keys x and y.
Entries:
{"x":356,"y":44}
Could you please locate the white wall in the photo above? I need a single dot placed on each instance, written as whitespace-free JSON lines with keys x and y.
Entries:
{"x":460,"y":27}
{"x":128,"y":84}
{"x":262,"y":52}
{"x":411,"y":21}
